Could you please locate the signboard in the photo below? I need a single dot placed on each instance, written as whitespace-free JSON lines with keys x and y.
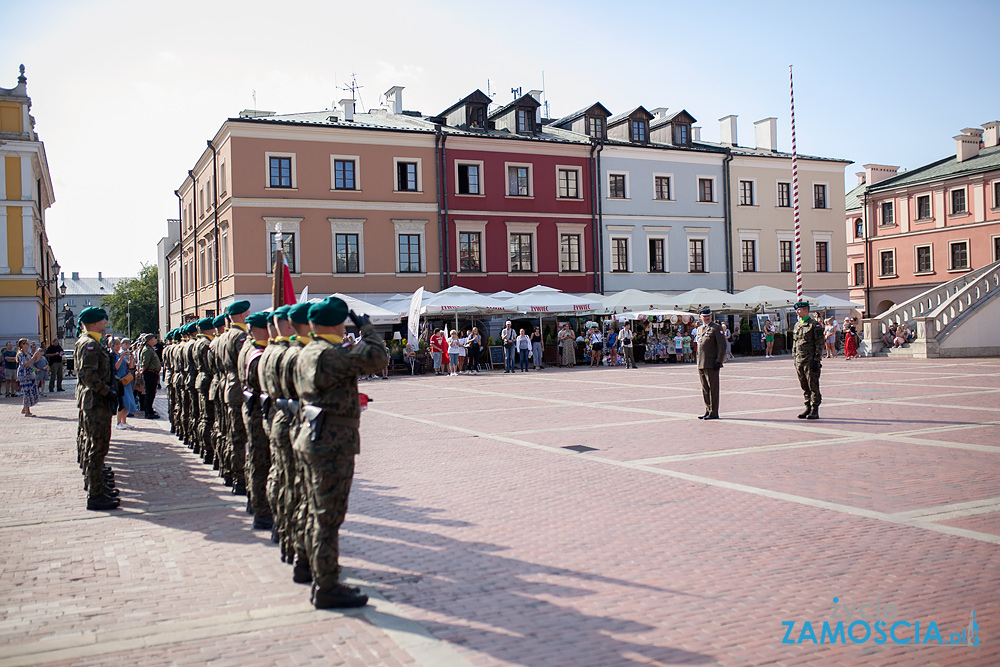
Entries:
{"x":496,"y":356}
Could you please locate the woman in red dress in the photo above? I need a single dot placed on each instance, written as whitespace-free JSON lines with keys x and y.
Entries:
{"x":850,"y":339}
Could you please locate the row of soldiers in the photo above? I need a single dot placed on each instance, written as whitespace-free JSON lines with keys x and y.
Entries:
{"x":270,"y":400}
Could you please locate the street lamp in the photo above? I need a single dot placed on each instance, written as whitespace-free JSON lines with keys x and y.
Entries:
{"x":128,"y":315}
{"x":52,"y":299}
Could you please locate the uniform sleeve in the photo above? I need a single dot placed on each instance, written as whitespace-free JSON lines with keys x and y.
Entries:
{"x":720,"y":342}
{"x":88,"y":371}
{"x":819,"y":343}
{"x":365,"y":358}
{"x":253,"y":376}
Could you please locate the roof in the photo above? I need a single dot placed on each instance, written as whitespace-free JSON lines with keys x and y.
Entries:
{"x":580,"y":113}
{"x":522,"y":101}
{"x":765,"y":152}
{"x":949,"y":167}
{"x":852,"y":200}
{"x":375,"y":119}
{"x":476,"y":97}
{"x":622,"y":117}
{"x":681,"y":116}
{"x":87,"y":286}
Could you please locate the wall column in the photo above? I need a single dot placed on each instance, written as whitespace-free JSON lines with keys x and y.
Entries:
{"x":4,"y":269}
{"x":28,"y":238}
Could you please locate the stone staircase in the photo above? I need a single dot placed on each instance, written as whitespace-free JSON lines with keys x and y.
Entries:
{"x":955,"y":319}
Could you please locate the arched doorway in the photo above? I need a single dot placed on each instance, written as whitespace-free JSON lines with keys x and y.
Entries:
{"x":884,"y":306}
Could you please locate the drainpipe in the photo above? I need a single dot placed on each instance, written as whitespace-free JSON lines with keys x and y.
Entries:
{"x":437,"y":167}
{"x":868,"y":255}
{"x":593,"y":204}
{"x":444,"y":197}
{"x":728,"y":223}
{"x":215,"y":213}
{"x":180,"y":255}
{"x":600,"y":222}
{"x":194,"y":243}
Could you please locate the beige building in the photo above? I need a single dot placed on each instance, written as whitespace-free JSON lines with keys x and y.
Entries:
{"x":763,"y":229}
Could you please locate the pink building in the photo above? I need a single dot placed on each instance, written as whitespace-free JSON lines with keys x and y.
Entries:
{"x":910,"y":232}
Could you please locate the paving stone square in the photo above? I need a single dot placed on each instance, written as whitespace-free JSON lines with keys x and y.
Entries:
{"x":483,"y":541}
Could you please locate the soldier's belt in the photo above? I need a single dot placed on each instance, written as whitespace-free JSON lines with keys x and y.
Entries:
{"x":317,"y":417}
{"x":265,"y":401}
{"x":281,"y":404}
{"x":250,"y":400}
{"x":293,"y":408}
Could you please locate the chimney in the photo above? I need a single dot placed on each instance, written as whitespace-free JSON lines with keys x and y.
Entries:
{"x":766,"y":131}
{"x":537,"y":94}
{"x":659,"y":112}
{"x":727,"y":127}
{"x":695,"y":133}
{"x":76,"y":275}
{"x":861,"y":177}
{"x":348,"y":105}
{"x":394,"y":98}
{"x":991,"y":137}
{"x":99,"y":276}
{"x":967,"y":143}
{"x":878,"y":172}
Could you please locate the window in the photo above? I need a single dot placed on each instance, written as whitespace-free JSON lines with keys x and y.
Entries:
{"x":859,"y":228}
{"x":569,"y":186}
{"x":569,"y":252}
{"x":958,"y":201}
{"x":887,"y":263}
{"x":281,"y":172}
{"x":656,"y":256}
{"x":203,"y":274}
{"x":619,"y":255}
{"x":347,"y":253}
{"x":616,"y":186}
{"x":746,"y":193}
{"x":595,"y":127}
{"x":638,"y":129}
{"x":409,"y":253}
{"x":749,"y":255}
{"x":222,"y":176}
{"x":923,"y":259}
{"x":469,"y":179}
{"x":343,"y":175}
{"x":520,"y":253}
{"x":822,"y":256}
{"x":819,"y":195}
{"x":859,"y":274}
{"x":996,"y":248}
{"x":784,"y":195}
{"x":682,"y":135}
{"x":923,"y":207}
{"x":406,"y":176}
{"x":518,"y":182}
{"x":887,"y":217}
{"x":476,"y":116}
{"x":996,"y":195}
{"x":224,"y":252}
{"x":696,"y":255}
{"x":785,"y":256}
{"x":959,"y":252}
{"x":469,"y":245}
{"x":288,"y":246}
{"x":661,"y":188}
{"x":706,"y":189}
{"x":525,"y":119}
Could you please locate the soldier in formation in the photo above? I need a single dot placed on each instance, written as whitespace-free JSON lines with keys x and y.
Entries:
{"x":807,"y":351}
{"x":255,"y":404}
{"x":97,"y":400}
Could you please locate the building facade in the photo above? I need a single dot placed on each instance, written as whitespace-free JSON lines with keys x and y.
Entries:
{"x":28,"y":269}
{"x":910,"y":232}
{"x":80,"y":293}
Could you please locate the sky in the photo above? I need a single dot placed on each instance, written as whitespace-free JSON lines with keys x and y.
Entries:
{"x":125,"y":94}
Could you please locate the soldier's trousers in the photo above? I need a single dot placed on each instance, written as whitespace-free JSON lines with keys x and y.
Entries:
{"x":809,"y":381}
{"x":81,"y":443}
{"x":328,"y":476}
{"x":236,"y":442}
{"x":97,"y":427}
{"x":710,"y":389}
{"x":258,"y":463}
{"x":280,"y":479}
{"x":194,"y":416}
{"x":206,"y":433}
{"x":298,"y":507}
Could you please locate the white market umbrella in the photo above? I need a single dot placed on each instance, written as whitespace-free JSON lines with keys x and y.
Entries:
{"x":548,"y":300}
{"x":766,"y":297}
{"x":827,"y":302}
{"x":401,"y":305}
{"x":636,"y":314}
{"x":503,"y":294}
{"x":457,"y":299}
{"x":700,"y":297}
{"x":634,"y":299}
{"x":377,"y":314}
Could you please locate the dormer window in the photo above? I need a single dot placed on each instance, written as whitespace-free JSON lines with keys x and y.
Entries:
{"x":595,"y":127}
{"x":638,"y":131}
{"x":525,"y":121}
{"x":476,"y":116}
{"x":682,"y":134}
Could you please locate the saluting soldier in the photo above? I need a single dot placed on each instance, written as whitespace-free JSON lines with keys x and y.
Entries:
{"x":275,"y":417}
{"x":203,"y":379}
{"x":293,"y":540}
{"x":326,"y":378}
{"x":258,"y":447}
{"x":97,"y":400}
{"x":235,"y":434}
{"x":711,"y":354}
{"x":807,"y":350}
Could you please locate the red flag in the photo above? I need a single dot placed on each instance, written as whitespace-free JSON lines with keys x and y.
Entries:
{"x":287,"y":287}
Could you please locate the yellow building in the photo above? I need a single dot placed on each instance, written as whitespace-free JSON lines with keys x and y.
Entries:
{"x":28,"y":269}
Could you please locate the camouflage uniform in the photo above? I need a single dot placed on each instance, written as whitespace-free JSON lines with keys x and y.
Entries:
{"x":807,"y":351}
{"x":191,"y":394}
{"x":95,"y":383}
{"x":276,"y":425}
{"x":168,"y":378}
{"x":293,"y":544}
{"x":258,"y":459}
{"x":235,"y":434}
{"x":216,"y":404}
{"x":206,"y":410}
{"x":326,"y":379}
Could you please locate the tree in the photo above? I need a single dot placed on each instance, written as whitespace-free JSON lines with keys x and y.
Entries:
{"x":142,"y":291}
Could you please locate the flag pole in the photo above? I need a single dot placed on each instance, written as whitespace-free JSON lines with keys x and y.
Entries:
{"x":277,"y":274}
{"x":795,"y":193}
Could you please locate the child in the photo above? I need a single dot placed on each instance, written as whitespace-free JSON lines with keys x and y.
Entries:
{"x":679,"y":346}
{"x":688,"y":357}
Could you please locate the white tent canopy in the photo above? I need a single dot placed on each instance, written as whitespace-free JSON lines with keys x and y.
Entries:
{"x":457,"y":299}
{"x":401,"y":303}
{"x":503,"y":294}
{"x":636,"y":314}
{"x":540,"y":300}
{"x":634,"y":299}
{"x":377,"y":314}
{"x":827,"y":302}
{"x":700,"y":297}
{"x":771,"y":297}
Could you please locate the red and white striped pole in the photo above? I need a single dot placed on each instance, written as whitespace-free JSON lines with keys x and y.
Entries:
{"x":795,"y":194}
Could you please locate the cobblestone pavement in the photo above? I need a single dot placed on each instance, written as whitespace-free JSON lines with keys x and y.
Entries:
{"x":565,"y":517}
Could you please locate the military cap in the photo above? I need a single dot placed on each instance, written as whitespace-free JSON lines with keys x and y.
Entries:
{"x":219,"y":321}
{"x":92,"y":314}
{"x":206,"y":323}
{"x":279,"y":313}
{"x":329,"y":312}
{"x":238,"y":307}
{"x":299,"y":313}
{"x":258,"y":319}
{"x":801,"y":304}
{"x":705,"y":311}
{"x":191,"y":328}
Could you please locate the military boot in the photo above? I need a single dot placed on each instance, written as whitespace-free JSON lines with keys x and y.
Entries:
{"x":339,"y":597}
{"x":302,"y":573}
{"x":814,"y":413}
{"x":103,"y":503}
{"x":805,"y":413}
{"x":263,"y":523}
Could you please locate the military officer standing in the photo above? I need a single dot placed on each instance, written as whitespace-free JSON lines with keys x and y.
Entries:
{"x":203,"y":380}
{"x":275,"y":420}
{"x":215,"y":392}
{"x":292,"y":536}
{"x":235,"y":435}
{"x":97,"y":400}
{"x":807,"y":350}
{"x":326,"y":378}
{"x":258,"y":461}
{"x":711,"y":353}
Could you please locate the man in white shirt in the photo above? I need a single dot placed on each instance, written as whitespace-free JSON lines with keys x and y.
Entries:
{"x":508,"y":336}
{"x":625,"y":340}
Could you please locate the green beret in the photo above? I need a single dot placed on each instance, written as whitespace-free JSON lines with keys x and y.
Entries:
{"x":258,"y":319}
{"x":299,"y":313}
{"x":279,"y":313}
{"x":219,"y":321}
{"x":191,"y":328}
{"x":238,"y":307}
{"x":802,"y":304}
{"x":329,"y":312}
{"x":206,"y":323}
{"x":91,"y":315}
